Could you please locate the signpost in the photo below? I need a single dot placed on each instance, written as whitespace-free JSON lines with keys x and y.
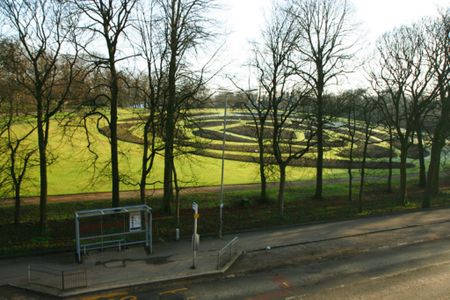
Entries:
{"x":195,"y":236}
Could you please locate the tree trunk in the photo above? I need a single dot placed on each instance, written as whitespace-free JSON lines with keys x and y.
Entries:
{"x":168,"y":183}
{"x":42,"y":172}
{"x":363,"y":169}
{"x":350,"y":181}
{"x":16,"y":180}
{"x":440,"y":134}
{"x":16,"y":204}
{"x":350,"y":159}
{"x":361,"y":185}
{"x":403,"y":191}
{"x":170,"y":124}
{"x":143,"y":181}
{"x":422,"y":170}
{"x":113,"y":129}
{"x":432,"y":186}
{"x":319,"y":166}
{"x":177,"y":197}
{"x":263,"y":197}
{"x":281,"y":189}
{"x":391,"y":156}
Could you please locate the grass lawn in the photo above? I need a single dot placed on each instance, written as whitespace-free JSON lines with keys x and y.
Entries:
{"x":72,"y":170}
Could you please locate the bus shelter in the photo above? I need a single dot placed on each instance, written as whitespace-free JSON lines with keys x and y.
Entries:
{"x":116,"y":227}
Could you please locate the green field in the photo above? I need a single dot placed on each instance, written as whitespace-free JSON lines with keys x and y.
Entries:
{"x":72,"y":170}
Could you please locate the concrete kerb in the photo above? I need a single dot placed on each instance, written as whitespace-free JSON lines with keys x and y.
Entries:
{"x":349,"y":236}
{"x":210,"y":275}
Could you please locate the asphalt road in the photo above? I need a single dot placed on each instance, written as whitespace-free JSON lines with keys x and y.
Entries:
{"x":403,"y":270}
{"x":410,"y":263}
{"x":420,"y":271}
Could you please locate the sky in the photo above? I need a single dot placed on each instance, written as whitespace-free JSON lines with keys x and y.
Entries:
{"x":242,"y":20}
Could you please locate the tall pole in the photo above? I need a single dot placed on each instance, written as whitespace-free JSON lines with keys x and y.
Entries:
{"x":223,"y":169}
{"x":195,"y":236}
{"x":77,"y":238}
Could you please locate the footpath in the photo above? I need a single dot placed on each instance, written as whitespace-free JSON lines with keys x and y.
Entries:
{"x":134,"y":194}
{"x":172,"y":261}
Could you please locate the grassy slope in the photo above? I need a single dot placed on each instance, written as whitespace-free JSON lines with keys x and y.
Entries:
{"x":71,"y":173}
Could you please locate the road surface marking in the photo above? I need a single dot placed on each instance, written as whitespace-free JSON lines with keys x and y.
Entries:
{"x":176,"y":291}
{"x":282,"y":281}
{"x":106,"y":296}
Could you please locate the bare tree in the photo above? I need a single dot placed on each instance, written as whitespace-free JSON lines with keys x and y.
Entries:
{"x":274,"y":65}
{"x":286,"y":144}
{"x":185,"y":26}
{"x":400,"y":83}
{"x":258,"y":106}
{"x":391,"y":154}
{"x":44,"y":30}
{"x":389,"y":128}
{"x":325,"y":29}
{"x":369,"y":115}
{"x":154,"y":50}
{"x":352,"y":100}
{"x":20,"y":154}
{"x":14,"y":131}
{"x":109,"y":20}
{"x":437,"y":49}
{"x":421,"y":92}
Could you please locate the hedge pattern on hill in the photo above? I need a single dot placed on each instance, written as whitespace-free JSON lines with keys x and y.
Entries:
{"x":241,"y":137}
{"x":306,"y":162}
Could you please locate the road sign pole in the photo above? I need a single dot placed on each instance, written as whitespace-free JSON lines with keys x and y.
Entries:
{"x":195,"y":237}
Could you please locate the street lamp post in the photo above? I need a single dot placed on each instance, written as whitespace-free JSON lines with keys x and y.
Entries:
{"x":227,"y":93}
{"x":223,"y":167}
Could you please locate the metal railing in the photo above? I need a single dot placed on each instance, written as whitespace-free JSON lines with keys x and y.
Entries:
{"x":61,"y":280}
{"x":227,"y":253}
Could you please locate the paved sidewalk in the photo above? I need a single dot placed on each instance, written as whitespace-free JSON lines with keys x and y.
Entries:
{"x":113,"y":269}
{"x":173,"y":260}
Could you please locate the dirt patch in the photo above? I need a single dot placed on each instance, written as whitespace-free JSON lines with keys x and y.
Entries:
{"x":305,"y":162}
{"x":206,"y":124}
{"x":373,"y":151}
{"x":123,"y":133}
{"x":413,"y":152}
{"x":218,"y":136}
{"x":250,"y":131}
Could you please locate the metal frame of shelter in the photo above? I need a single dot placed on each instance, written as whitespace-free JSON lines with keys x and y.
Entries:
{"x":115,"y":239}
